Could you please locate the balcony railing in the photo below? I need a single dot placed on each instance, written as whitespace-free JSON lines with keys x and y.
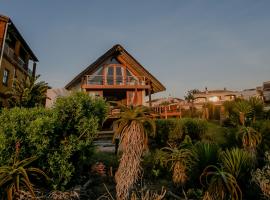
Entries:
{"x":114,"y":80}
{"x":19,"y":61}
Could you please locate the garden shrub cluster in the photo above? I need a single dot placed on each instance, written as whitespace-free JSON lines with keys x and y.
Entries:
{"x":60,"y":137}
{"x":168,"y":130}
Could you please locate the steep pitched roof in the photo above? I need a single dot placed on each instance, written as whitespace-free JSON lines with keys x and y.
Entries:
{"x":118,"y":51}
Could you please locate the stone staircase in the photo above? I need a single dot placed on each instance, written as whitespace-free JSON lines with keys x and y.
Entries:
{"x":103,"y":141}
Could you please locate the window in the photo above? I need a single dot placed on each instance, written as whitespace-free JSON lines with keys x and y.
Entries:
{"x":5,"y":77}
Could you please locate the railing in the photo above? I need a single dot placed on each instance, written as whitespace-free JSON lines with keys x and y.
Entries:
{"x":11,"y":54}
{"x":114,"y":80}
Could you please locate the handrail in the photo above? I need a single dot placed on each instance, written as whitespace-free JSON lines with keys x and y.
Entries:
{"x":114,"y":80}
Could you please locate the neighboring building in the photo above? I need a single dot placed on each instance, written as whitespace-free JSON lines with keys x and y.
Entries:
{"x":216,"y":97}
{"x":248,"y":93}
{"x":15,"y":56}
{"x":266,"y":91}
{"x":117,"y":76}
{"x":53,"y":94}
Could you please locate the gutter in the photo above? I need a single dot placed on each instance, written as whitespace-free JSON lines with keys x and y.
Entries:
{"x":3,"y":45}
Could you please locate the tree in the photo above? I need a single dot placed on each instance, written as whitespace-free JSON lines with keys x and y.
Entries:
{"x":242,"y":108}
{"x":190,"y":99}
{"x":28,"y":92}
{"x":257,"y":105}
{"x":133,"y":138}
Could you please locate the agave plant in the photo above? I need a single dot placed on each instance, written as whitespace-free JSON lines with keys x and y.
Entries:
{"x":15,"y":178}
{"x":133,"y":139}
{"x":220,"y":184}
{"x":250,"y":138}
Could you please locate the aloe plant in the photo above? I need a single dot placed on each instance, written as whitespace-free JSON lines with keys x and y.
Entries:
{"x":14,"y":178}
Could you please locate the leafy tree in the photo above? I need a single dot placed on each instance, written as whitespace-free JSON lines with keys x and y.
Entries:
{"x":133,"y":141}
{"x":190,"y":99}
{"x":28,"y":92}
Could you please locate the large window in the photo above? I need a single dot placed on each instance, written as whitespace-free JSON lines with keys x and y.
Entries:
{"x":5,"y":77}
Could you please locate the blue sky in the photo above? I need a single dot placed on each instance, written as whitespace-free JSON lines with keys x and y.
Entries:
{"x":185,"y":44}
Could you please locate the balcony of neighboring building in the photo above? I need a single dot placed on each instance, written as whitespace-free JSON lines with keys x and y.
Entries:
{"x":19,"y":61}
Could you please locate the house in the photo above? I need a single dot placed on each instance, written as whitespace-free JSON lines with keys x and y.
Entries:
{"x":266,"y":91}
{"x":117,"y":76}
{"x":216,"y":97}
{"x":15,"y":57}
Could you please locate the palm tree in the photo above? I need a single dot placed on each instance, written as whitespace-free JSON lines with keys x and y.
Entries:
{"x":133,"y":139}
{"x":220,"y":184}
{"x":14,"y":178}
{"x":28,"y":92}
{"x":250,"y":138}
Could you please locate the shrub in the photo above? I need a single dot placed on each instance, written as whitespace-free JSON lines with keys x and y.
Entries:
{"x":61,"y":137}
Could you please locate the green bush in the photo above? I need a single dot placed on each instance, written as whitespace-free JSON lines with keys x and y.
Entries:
{"x":174,"y":130}
{"x":61,"y":137}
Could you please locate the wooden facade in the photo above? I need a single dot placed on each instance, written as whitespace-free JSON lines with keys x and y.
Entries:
{"x":118,"y":77}
{"x":15,"y":57}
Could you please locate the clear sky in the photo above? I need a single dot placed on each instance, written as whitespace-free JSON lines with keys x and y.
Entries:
{"x":186,"y":44}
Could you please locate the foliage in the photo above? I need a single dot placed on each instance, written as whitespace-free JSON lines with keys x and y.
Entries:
{"x":180,"y":161}
{"x":205,"y":154}
{"x":262,"y":177}
{"x":220,"y":184}
{"x":237,"y":162}
{"x":250,"y":138}
{"x":133,"y":141}
{"x":28,"y":92}
{"x":15,"y":178}
{"x":174,"y":130}
{"x":61,"y":137}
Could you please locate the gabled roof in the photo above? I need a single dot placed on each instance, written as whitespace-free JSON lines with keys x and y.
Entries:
{"x":118,"y":51}
{"x":12,"y":28}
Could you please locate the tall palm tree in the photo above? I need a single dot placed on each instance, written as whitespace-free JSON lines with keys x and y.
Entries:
{"x":220,"y":185}
{"x":133,"y":138}
{"x":28,"y":92}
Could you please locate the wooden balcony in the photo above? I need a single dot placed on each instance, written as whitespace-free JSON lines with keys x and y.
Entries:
{"x":114,"y":82}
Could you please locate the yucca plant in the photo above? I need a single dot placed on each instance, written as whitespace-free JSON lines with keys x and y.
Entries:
{"x":16,"y":177}
{"x":236,"y":162}
{"x":204,"y":154}
{"x":250,"y":138}
{"x":220,"y":184}
{"x":257,"y":105}
{"x":133,"y":139}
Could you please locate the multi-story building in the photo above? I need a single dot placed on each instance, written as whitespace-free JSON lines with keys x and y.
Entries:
{"x":15,"y":57}
{"x":117,"y":76}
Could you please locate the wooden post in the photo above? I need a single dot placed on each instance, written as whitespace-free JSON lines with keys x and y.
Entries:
{"x":149,"y":93}
{"x":34,"y":69}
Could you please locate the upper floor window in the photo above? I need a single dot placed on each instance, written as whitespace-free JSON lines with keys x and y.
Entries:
{"x":5,"y":77}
